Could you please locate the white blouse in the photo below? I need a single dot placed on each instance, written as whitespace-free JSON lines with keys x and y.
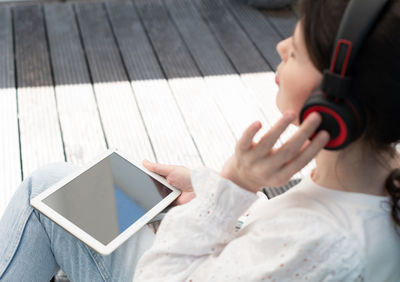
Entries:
{"x":309,"y":233}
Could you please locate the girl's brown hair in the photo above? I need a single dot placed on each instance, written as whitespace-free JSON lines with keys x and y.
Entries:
{"x":376,"y":74}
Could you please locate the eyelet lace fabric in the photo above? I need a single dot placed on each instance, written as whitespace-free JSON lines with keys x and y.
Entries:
{"x":198,"y":241}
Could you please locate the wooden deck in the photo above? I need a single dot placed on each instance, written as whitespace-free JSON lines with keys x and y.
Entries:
{"x":175,"y":81}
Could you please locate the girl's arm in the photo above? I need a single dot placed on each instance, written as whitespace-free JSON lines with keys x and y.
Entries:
{"x":198,"y":242}
{"x":194,"y":232}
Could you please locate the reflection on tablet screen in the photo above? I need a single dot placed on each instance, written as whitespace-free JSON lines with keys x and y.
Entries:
{"x":128,"y":211}
{"x":107,"y":198}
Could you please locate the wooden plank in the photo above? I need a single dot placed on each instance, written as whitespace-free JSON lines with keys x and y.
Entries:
{"x":201,"y":43}
{"x":122,"y":120}
{"x":79,"y":117}
{"x":138,"y":55}
{"x":167,"y":129}
{"x":295,"y":9}
{"x":40,"y":134}
{"x":221,"y":79}
{"x":210,"y":130}
{"x":6,"y":48}
{"x":234,"y":40}
{"x":32,"y":57}
{"x":10,"y":170}
{"x":195,"y":32}
{"x":226,"y":90}
{"x":206,"y":123}
{"x":284,"y":20}
{"x":174,"y":58}
{"x":259,"y":29}
{"x":242,"y":53}
{"x":261,"y":83}
{"x":235,"y":101}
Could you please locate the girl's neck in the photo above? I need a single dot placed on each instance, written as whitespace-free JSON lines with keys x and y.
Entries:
{"x":353,"y":170}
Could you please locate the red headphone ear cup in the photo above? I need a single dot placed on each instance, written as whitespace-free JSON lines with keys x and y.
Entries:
{"x":342,"y":119}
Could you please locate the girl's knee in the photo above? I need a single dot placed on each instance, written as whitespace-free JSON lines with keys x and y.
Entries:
{"x":48,"y":175}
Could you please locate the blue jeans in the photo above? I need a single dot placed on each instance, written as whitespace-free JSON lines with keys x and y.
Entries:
{"x":33,"y":248}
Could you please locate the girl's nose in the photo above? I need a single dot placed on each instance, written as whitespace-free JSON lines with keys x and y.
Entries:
{"x":283,"y":48}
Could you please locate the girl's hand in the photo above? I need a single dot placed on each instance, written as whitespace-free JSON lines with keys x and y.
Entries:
{"x":257,"y":165}
{"x":177,"y":176}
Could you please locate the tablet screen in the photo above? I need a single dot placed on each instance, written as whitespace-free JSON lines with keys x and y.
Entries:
{"x":107,"y":198}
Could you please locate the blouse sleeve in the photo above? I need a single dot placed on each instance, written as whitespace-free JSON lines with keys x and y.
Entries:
{"x":198,"y":242}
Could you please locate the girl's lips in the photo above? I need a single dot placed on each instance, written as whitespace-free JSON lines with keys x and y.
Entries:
{"x":276,"y":80}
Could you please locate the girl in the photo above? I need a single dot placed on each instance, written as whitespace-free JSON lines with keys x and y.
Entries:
{"x":338,"y":224}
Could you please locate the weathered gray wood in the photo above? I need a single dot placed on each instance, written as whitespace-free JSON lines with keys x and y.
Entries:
{"x":40,"y":134}
{"x":173,"y":56}
{"x":166,"y":127}
{"x":259,"y":30}
{"x":10,"y":171}
{"x":137,"y":53}
{"x":235,"y":101}
{"x":79,"y":117}
{"x":32,"y":58}
{"x":222,"y":23}
{"x":208,"y":127}
{"x":243,"y":54}
{"x":227,"y":88}
{"x":203,"y":46}
{"x":6,"y":48}
{"x":295,"y":9}
{"x":122,"y":120}
{"x":235,"y":42}
{"x":101,"y":50}
{"x":284,"y":20}
{"x":67,"y":55}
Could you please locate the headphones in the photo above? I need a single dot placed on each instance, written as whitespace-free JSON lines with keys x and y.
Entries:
{"x":342,"y":115}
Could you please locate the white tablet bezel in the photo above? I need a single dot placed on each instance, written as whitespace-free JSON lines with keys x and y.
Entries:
{"x":37,"y":203}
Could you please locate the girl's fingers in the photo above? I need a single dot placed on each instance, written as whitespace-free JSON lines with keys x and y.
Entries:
{"x":314,"y":147}
{"x":292,"y":147}
{"x":160,"y":169}
{"x":305,"y":145}
{"x":269,"y":139}
{"x":246,"y":140}
{"x":184,"y":198}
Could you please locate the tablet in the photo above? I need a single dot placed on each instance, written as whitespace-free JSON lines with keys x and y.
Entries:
{"x":107,"y":201}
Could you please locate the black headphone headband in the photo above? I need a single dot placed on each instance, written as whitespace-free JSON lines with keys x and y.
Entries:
{"x":357,"y":21}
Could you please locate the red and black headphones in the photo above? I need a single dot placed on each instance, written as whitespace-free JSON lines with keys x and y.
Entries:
{"x":342,"y":116}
